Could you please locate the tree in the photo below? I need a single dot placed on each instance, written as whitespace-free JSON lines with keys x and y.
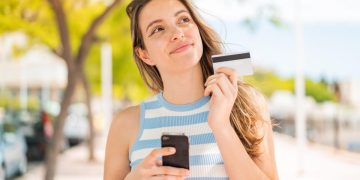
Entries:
{"x":34,"y":18}
{"x":75,"y":65}
{"x":268,"y":82}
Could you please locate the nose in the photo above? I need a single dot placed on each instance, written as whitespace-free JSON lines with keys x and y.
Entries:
{"x":177,"y":34}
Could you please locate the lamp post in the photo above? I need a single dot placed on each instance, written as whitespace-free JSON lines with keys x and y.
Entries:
{"x":106,"y":84}
{"x":300,"y":116}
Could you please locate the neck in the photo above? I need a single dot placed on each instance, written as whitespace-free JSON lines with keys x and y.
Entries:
{"x":185,"y":87}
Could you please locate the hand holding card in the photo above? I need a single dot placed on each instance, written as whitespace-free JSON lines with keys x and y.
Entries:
{"x":240,"y":62}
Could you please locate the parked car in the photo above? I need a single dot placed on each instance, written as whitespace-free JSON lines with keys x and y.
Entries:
{"x":13,"y":148}
{"x":76,"y":128}
{"x":37,"y":134}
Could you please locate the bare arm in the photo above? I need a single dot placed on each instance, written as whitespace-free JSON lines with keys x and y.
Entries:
{"x":121,"y":133}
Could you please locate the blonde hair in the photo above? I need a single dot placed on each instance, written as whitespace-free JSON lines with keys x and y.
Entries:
{"x":244,"y":115}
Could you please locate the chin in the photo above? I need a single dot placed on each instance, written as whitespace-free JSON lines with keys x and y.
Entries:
{"x":186,"y":63}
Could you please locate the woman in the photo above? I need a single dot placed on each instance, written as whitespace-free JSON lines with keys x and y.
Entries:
{"x":227,"y":121}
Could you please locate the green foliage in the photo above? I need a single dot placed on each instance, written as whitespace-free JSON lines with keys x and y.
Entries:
{"x":268,"y":82}
{"x":319,"y":91}
{"x":13,"y":103}
{"x":33,"y":17}
{"x":127,"y":82}
{"x":36,"y":19}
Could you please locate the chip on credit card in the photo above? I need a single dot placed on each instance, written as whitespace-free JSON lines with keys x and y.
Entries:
{"x":240,"y":62}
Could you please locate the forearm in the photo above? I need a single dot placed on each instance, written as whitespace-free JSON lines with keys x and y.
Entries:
{"x":238,"y":163}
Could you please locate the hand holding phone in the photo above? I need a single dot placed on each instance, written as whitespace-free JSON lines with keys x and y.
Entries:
{"x":151,"y":166}
{"x":181,"y":143}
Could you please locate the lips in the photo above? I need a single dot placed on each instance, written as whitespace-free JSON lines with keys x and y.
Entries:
{"x":181,"y":48}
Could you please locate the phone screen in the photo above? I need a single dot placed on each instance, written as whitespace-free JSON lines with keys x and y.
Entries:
{"x":181,"y":144}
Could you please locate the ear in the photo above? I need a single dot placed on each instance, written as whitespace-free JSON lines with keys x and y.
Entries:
{"x":143,"y":55}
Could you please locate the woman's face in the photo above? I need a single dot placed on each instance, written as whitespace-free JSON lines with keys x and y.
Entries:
{"x":171,"y":37}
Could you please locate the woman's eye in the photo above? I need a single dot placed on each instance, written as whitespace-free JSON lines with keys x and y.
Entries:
{"x":157,"y":29}
{"x":185,"y":20}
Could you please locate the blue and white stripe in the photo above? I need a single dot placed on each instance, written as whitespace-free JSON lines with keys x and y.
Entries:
{"x":159,"y":116}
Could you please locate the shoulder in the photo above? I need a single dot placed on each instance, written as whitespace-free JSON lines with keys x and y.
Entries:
{"x":122,"y":131}
{"x":124,"y":128}
{"x":127,"y":116}
{"x":126,"y":122}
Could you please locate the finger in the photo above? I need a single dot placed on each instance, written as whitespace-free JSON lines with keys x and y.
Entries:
{"x":214,"y":90}
{"x":217,"y":92}
{"x":210,"y":78}
{"x":154,"y":154}
{"x":225,"y":85}
{"x":231,"y":73}
{"x":172,"y":171}
{"x":211,"y":81}
{"x":159,"y":162}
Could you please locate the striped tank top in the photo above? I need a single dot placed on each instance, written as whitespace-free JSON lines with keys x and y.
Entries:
{"x":158,"y":116}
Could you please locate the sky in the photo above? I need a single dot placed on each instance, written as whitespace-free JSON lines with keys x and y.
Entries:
{"x":312,"y":10}
{"x":331,"y":37}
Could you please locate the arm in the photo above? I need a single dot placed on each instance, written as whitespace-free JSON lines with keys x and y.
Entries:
{"x":236,"y":157}
{"x":238,"y":164}
{"x":117,"y":148}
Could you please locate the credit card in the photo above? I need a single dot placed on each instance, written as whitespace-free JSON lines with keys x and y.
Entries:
{"x":240,"y":62}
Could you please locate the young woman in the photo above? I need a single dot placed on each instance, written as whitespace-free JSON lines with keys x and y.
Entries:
{"x":227,"y":121}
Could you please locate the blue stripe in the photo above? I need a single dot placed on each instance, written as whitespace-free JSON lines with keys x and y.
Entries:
{"x":135,"y":163}
{"x":153,"y":143}
{"x":184,"y":107}
{"x":208,"y":159}
{"x":152,"y":105}
{"x":170,"y":121}
{"x":156,"y":143}
{"x":202,"y":139}
{"x":142,"y":115}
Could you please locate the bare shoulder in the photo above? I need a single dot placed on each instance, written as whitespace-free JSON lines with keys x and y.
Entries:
{"x":127,"y":117}
{"x":122,"y":133}
{"x":126,"y":123}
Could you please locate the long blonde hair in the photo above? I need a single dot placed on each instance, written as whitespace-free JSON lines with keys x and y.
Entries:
{"x":244,"y":115}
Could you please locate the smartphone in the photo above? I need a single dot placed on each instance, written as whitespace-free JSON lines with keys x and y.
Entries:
{"x":240,"y":62}
{"x":181,"y":143}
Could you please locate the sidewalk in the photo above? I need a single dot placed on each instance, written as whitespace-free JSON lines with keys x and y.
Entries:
{"x":73,"y":165}
{"x":320,"y":163}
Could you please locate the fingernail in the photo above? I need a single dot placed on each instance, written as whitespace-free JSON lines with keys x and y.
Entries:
{"x":172,"y":149}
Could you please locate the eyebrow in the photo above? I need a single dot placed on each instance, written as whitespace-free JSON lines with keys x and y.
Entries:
{"x":159,"y":20}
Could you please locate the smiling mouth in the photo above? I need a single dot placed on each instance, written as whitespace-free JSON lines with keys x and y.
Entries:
{"x":182,"y":48}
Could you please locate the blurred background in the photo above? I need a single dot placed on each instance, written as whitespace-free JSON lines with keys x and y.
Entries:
{"x":66,"y":68}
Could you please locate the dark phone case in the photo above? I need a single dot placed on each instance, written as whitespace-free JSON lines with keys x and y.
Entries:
{"x":181,"y":157}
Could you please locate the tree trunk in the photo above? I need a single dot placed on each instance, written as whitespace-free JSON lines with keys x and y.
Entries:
{"x":53,"y":146}
{"x":74,"y":66}
{"x":91,"y":138}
